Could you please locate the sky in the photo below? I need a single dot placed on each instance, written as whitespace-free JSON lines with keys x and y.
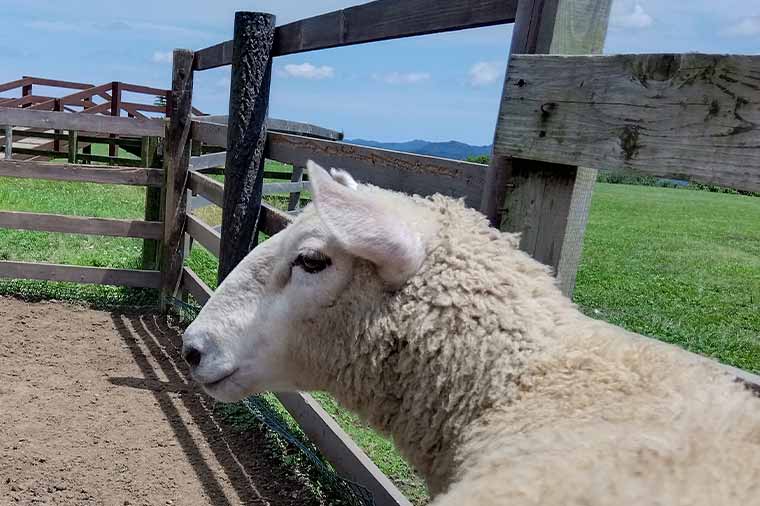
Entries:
{"x":435,"y":87}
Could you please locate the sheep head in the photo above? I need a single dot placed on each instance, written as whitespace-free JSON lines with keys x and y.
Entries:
{"x":293,"y":292}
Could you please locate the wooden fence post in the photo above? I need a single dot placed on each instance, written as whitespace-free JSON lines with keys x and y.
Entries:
{"x":150,"y":159}
{"x":246,"y":136}
{"x":8,"y":142}
{"x":115,"y":111}
{"x":176,"y":165}
{"x":548,"y":203}
{"x":295,"y":197}
{"x":73,"y":145}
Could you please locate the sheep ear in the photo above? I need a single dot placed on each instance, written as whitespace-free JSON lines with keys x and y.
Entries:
{"x":364,"y":227}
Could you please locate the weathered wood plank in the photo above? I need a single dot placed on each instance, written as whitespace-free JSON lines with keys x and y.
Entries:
{"x":83,"y":122}
{"x":212,"y":134}
{"x":208,"y":188}
{"x":176,"y":167}
{"x":75,"y":274}
{"x":374,"y":21}
{"x":284,"y":126}
{"x":204,"y":234}
{"x":552,"y":221}
{"x":246,"y":136}
{"x":272,"y":220}
{"x":295,"y":188}
{"x":153,"y":208}
{"x":80,"y":225}
{"x":410,"y":173}
{"x":147,"y":90}
{"x":193,"y":284}
{"x":691,"y":116}
{"x":82,"y":173}
{"x":295,"y":197}
{"x":340,"y":450}
{"x":208,"y":161}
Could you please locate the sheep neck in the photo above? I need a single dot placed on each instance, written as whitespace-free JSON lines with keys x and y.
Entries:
{"x":451,"y":345}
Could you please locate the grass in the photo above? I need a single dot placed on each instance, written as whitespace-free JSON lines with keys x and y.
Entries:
{"x":679,"y":265}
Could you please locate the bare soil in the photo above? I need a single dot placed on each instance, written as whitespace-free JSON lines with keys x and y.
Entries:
{"x":97,"y":407}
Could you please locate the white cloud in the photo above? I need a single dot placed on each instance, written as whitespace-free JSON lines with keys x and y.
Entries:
{"x":747,"y":27}
{"x":635,"y":18}
{"x":486,"y":72}
{"x":162,"y":57}
{"x":402,"y":78}
{"x":308,"y":71}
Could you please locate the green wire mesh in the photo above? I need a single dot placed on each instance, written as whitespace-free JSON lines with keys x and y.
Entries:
{"x":343,"y":490}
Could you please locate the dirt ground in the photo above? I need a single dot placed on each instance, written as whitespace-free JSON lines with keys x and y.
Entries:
{"x":97,"y":408}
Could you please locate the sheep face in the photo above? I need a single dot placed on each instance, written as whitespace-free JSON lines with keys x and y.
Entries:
{"x":293,"y":291}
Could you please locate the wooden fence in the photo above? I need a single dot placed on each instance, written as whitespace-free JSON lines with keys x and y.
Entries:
{"x":691,"y":116}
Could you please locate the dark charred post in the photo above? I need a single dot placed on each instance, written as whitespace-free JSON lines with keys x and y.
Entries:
{"x":115,"y":111}
{"x":246,"y":136}
{"x":176,"y":166}
{"x":57,"y":141}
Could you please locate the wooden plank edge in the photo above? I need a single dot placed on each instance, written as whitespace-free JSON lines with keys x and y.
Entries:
{"x":273,"y":220}
{"x":112,"y":227}
{"x":195,"y":286}
{"x":204,"y":234}
{"x":81,"y":173}
{"x":207,"y":188}
{"x":82,"y":122}
{"x":76,"y":274}
{"x":340,"y":450}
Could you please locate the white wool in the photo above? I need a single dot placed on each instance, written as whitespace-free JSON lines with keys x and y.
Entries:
{"x":440,"y":332}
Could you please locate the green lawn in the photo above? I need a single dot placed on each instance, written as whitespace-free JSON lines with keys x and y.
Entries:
{"x":680,"y":265}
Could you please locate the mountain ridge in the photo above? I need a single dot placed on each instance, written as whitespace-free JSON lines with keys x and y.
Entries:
{"x":448,"y":149}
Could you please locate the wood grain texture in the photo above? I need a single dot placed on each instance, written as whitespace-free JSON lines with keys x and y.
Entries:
{"x":689,"y":116}
{"x":83,"y":122}
{"x":559,"y":197}
{"x":75,"y":274}
{"x":373,"y":21}
{"x":410,"y":173}
{"x":82,"y":173}
{"x":211,"y":134}
{"x":246,"y":136}
{"x":81,"y":225}
{"x":8,"y":142}
{"x":176,"y":164}
{"x":194,"y":285}
{"x":208,"y":188}
{"x":204,"y":234}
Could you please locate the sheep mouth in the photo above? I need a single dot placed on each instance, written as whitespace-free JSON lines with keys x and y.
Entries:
{"x":216,"y":383}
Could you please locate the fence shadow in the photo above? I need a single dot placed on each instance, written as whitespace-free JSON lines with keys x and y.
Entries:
{"x":252,"y":473}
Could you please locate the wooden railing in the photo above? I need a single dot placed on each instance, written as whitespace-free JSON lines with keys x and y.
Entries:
{"x":149,"y":230}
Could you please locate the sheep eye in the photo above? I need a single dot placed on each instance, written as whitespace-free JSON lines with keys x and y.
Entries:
{"x":312,"y":261}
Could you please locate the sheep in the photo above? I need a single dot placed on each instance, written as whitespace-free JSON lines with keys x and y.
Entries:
{"x":439,"y":331}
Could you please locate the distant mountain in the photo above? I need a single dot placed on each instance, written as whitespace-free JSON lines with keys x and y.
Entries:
{"x":450,"y":149}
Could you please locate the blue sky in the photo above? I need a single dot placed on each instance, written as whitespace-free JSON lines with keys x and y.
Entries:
{"x":437,"y":87}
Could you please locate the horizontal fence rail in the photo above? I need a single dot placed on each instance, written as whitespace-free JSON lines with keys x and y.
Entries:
{"x":207,"y":188}
{"x":375,"y":21}
{"x":83,"y":122}
{"x":92,"y":275}
{"x":204,"y":234}
{"x":283,"y":125}
{"x":691,"y":116}
{"x":81,"y":225}
{"x":82,"y":173}
{"x":410,"y":173}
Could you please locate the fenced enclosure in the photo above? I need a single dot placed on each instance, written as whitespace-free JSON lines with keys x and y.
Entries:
{"x":688,"y":116}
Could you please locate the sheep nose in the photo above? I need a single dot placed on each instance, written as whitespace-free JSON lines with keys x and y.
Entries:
{"x":192,"y":355}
